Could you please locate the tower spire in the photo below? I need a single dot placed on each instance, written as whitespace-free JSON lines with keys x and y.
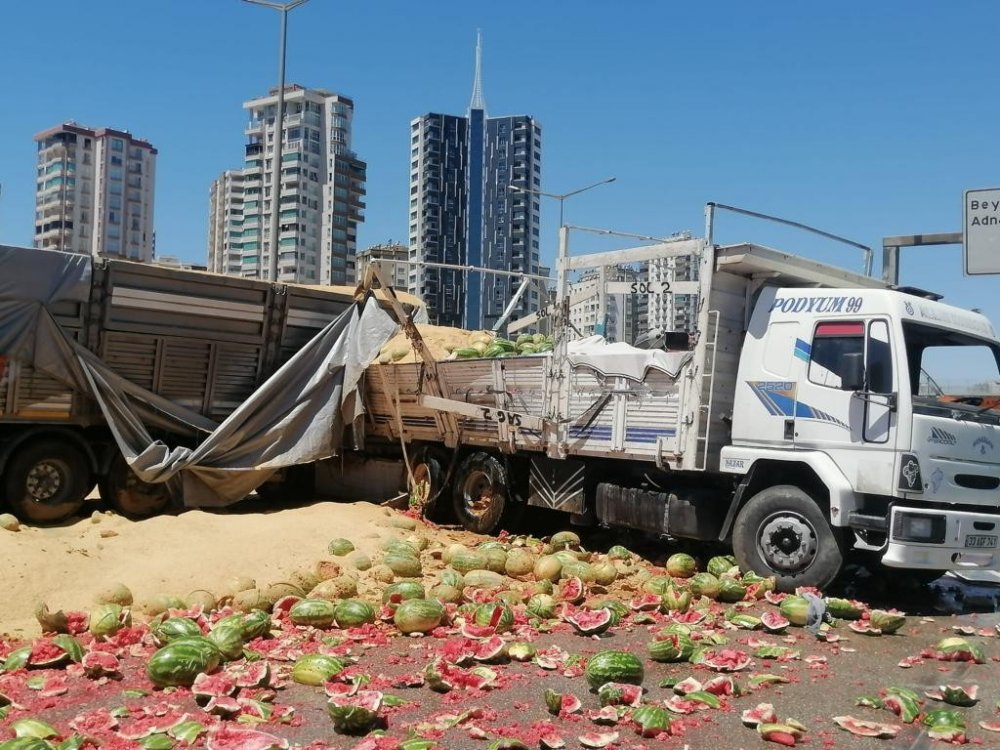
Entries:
{"x":478,"y":100}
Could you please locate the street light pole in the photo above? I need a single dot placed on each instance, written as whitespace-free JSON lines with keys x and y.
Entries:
{"x":279,"y":131}
{"x":561,"y":285}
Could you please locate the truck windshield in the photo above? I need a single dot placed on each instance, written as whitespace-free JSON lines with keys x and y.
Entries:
{"x":953,"y":369}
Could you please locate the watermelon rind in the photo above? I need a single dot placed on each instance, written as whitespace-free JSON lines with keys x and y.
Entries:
{"x":418,"y":615}
{"x":181,"y":660}
{"x":318,"y":613}
{"x":352,"y":613}
{"x":315,"y":669}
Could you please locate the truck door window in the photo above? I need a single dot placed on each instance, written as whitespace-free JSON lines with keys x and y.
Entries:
{"x":878,"y":363}
{"x":831,"y":342}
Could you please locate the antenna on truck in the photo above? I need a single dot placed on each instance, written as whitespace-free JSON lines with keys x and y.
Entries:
{"x":710,"y":227}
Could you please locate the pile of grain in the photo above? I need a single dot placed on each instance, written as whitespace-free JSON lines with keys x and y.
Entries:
{"x":441,"y":340}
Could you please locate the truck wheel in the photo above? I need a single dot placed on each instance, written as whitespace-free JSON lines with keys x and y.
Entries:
{"x":782,"y":532}
{"x":480,"y":493}
{"x":129,"y":495}
{"x":428,"y":477}
{"x":47,"y":481}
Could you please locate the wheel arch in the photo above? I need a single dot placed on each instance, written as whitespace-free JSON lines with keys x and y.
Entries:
{"x":96,"y":460}
{"x":814,"y":473}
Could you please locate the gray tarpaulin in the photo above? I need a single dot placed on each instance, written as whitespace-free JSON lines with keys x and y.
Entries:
{"x":296,"y":417}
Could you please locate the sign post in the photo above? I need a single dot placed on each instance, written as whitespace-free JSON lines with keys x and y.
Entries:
{"x":981,"y":245}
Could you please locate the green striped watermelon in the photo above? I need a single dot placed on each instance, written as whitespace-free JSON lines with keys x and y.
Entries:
{"x":350,"y":613}
{"x":315,"y":669}
{"x":181,"y":660}
{"x":613,"y":666}
{"x":174,"y":628}
{"x":497,"y":616}
{"x":418,"y":615}
{"x":316,"y":612}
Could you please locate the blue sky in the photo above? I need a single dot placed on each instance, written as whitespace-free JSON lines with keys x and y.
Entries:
{"x":866,"y":119}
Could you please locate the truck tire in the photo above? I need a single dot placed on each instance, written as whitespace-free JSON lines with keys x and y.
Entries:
{"x":47,"y":481}
{"x":480,"y":493}
{"x":782,"y":532}
{"x":129,"y":495}
{"x":428,"y":478}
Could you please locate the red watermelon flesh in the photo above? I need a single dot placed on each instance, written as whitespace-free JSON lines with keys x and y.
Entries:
{"x":226,"y":736}
{"x":222,"y":705}
{"x":96,"y":720}
{"x":646,"y":602}
{"x":207,"y":686}
{"x":571,"y":589}
{"x":773,"y":622}
{"x":251,"y":674}
{"x":762,"y":713}
{"x":100,"y":664}
{"x":606,"y":715}
{"x":139,"y":727}
{"x":479,"y":632}
{"x":726,"y":660}
{"x":864,"y":728}
{"x":990,"y":726}
{"x":720,"y":685}
{"x":45,"y":653}
{"x":590,"y":621}
{"x":691,"y":617}
{"x":681,"y":706}
{"x":490,"y":649}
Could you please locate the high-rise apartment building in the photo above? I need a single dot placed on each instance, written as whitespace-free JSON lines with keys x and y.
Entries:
{"x":392,"y":260}
{"x":617,"y":317}
{"x":673,"y":312}
{"x":322,"y":186}
{"x":94,"y":192}
{"x":225,"y":224}
{"x":464,"y":212}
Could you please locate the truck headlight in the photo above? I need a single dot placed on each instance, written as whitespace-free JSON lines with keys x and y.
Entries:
{"x":915,"y":527}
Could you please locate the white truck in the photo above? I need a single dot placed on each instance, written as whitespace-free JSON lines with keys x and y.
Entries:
{"x":796,"y":422}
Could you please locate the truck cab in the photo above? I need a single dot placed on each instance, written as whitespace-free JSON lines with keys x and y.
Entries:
{"x":847,"y":392}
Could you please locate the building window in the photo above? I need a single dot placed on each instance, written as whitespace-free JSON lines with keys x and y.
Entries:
{"x":117,"y":144}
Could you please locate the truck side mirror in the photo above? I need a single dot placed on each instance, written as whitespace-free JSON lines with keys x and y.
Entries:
{"x":853,"y":377}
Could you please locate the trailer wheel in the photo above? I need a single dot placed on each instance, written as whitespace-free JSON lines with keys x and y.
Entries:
{"x":129,"y":495}
{"x":480,"y":493}
{"x":782,"y":532}
{"x":47,"y":481}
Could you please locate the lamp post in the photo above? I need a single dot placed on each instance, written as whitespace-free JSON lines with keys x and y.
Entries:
{"x":279,"y":132}
{"x":563,"y":229}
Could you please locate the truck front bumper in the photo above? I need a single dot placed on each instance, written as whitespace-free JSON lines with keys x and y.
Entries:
{"x":943,"y":540}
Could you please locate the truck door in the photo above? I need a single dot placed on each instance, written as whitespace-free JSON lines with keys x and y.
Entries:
{"x":860,"y":427}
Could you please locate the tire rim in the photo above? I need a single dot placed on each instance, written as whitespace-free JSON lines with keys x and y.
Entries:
{"x":46,"y":480}
{"x":477,"y":492}
{"x":421,"y":489}
{"x":787,"y":542}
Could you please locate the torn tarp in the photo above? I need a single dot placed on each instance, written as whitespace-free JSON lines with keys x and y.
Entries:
{"x":297,"y":416}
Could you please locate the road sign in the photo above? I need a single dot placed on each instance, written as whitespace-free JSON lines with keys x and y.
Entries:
{"x":982,"y":231}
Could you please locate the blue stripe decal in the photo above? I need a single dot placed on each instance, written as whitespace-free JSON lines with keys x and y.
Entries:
{"x":803,"y":350}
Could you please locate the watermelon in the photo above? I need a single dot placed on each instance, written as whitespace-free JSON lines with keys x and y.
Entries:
{"x":681,"y":565}
{"x":721,"y":564}
{"x":956,"y":695}
{"x":350,"y":613}
{"x":688,"y":685}
{"x":173,"y":628}
{"x":565,"y":540}
{"x":228,"y":638}
{"x":946,"y":725}
{"x":318,"y":613}
{"x":571,"y":590}
{"x":499,"y":617}
{"x":650,"y":721}
{"x":731,"y":590}
{"x":255,"y":624}
{"x":704,"y":584}
{"x":903,"y":702}
{"x":228,"y":735}
{"x":491,"y":649}
{"x":781,"y":734}
{"x":725,"y":660}
{"x":618,"y":552}
{"x":250,"y":674}
{"x":402,"y":591}
{"x":721,"y":685}
{"x":100,"y":664}
{"x":562,"y":704}
{"x":888,"y":621}
{"x":542,"y":606}
{"x":675,"y":600}
{"x":340,"y":547}
{"x":762,"y":713}
{"x":419,"y":615}
{"x":864,"y":728}
{"x":468,"y":560}
{"x":774,"y":622}
{"x":646,"y":602}
{"x":795,"y":609}
{"x":670,"y":647}
{"x":955,"y":649}
{"x":181,"y":660}
{"x":590,"y":622}
{"x":521,"y":651}
{"x":844,"y":609}
{"x":613,"y":666}
{"x":548,"y":568}
{"x":619,"y":694}
{"x":484,"y":579}
{"x":108,"y":619}
{"x":17,"y":659}
{"x":658,"y":585}
{"x":990,"y":726}
{"x":452,"y":578}
{"x":355,"y":714}
{"x":404,"y":566}
{"x":315,"y":669}
{"x":205,"y":687}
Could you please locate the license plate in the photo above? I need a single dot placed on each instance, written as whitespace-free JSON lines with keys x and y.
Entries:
{"x":980,"y":540}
